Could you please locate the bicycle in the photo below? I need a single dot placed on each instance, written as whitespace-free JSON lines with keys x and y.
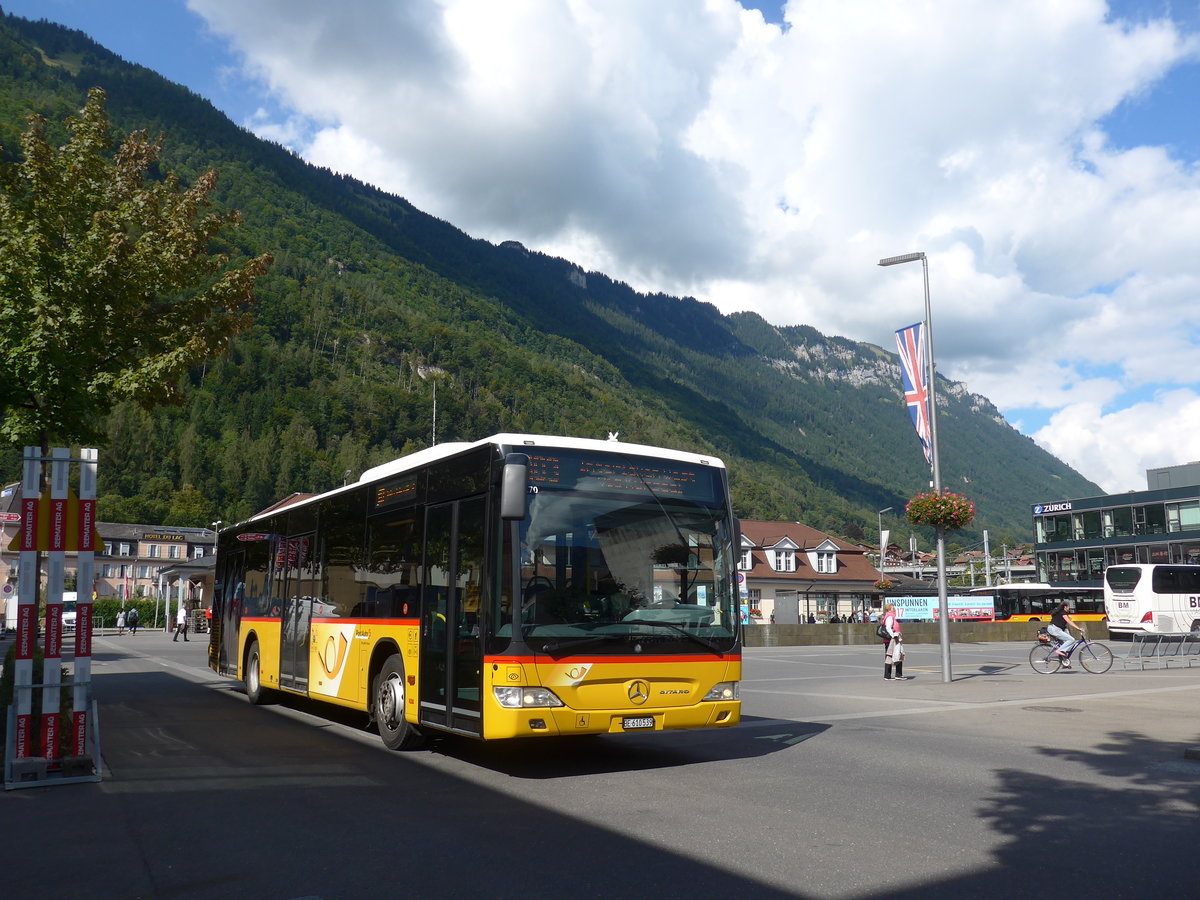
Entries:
{"x":1094,"y":656}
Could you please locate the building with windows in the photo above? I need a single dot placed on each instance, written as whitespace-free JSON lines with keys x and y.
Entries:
{"x":137,"y":560}
{"x":1076,"y":540}
{"x":791,"y":571}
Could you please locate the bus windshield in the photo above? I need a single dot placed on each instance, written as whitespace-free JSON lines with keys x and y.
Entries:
{"x":623,"y":562}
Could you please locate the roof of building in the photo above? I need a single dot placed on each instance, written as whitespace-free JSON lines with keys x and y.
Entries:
{"x":852,"y":564}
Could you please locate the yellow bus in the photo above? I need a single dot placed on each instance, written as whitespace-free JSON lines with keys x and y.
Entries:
{"x":1036,"y":602}
{"x":516,"y":586}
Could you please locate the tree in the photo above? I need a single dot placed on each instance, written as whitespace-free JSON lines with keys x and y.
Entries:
{"x":109,"y":287}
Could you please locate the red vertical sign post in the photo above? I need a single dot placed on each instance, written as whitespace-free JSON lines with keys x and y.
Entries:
{"x":27,"y":586}
{"x":60,"y":484}
{"x":83,"y":593}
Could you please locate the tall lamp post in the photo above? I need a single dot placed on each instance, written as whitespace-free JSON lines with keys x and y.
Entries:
{"x":931,"y":406}
{"x":882,"y":548}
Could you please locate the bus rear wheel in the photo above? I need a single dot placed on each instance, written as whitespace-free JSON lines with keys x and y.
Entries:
{"x":255,"y":691}
{"x":388,"y":707}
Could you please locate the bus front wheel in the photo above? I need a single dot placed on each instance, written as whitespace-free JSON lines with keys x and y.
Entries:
{"x":388,"y":709}
{"x":255,"y":691}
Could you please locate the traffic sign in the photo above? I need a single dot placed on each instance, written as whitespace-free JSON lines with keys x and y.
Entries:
{"x":10,"y":517}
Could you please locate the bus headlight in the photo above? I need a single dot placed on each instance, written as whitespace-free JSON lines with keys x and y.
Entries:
{"x":525,"y":697}
{"x":726,"y":690}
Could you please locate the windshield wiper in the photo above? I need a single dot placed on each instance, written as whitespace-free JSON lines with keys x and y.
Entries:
{"x":554,"y":647}
{"x":704,"y":642}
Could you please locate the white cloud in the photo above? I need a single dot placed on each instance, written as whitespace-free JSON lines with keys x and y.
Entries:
{"x":1116,"y":448}
{"x":686,"y":146}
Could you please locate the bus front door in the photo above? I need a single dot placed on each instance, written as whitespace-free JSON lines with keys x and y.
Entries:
{"x":451,"y":648}
{"x":297,"y":558}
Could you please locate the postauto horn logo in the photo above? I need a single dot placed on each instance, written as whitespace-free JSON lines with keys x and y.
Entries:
{"x":1041,"y":509}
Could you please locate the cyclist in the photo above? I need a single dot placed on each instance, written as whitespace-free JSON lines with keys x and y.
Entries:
{"x":1060,"y":622}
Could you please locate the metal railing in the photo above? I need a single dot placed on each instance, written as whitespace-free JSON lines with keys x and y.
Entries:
{"x":1163,"y":650}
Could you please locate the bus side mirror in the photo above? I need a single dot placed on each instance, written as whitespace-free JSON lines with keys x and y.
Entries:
{"x":514,"y":486}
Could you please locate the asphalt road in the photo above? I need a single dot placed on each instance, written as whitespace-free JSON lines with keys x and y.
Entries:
{"x":837,"y":785}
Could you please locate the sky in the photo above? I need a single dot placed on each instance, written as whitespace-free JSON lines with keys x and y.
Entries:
{"x":1043,"y":154}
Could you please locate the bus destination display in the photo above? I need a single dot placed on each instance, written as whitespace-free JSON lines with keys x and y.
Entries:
{"x":393,"y":492}
{"x":566,"y":470}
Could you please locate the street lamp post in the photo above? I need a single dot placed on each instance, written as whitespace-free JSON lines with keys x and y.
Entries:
{"x":931,"y":405}
{"x":882,"y":548}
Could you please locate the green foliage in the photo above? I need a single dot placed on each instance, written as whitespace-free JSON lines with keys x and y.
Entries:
{"x":106,"y":609}
{"x":108,"y":286}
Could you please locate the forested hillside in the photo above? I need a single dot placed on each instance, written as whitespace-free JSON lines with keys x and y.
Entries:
{"x":372,"y":307}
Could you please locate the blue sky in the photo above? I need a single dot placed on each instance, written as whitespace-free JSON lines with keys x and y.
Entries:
{"x":1045,"y":155}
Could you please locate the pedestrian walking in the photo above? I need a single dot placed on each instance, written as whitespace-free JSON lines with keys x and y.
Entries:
{"x":893,"y":654}
{"x":131,"y":619}
{"x":180,"y":624}
{"x":121,"y":622}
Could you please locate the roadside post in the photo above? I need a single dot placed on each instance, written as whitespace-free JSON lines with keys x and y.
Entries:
{"x":55,"y":523}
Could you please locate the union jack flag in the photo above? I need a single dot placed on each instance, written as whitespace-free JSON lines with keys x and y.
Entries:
{"x":911,"y":341}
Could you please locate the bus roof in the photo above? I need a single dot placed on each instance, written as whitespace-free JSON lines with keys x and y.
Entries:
{"x":445,"y":451}
{"x":1029,"y":587}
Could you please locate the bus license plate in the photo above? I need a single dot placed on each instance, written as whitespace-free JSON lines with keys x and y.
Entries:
{"x":637,"y":722}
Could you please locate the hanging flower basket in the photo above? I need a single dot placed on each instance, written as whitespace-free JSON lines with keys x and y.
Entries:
{"x":945,"y":510}
{"x":884,"y":584}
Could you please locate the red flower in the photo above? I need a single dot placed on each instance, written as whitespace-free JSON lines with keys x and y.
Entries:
{"x":945,"y":510}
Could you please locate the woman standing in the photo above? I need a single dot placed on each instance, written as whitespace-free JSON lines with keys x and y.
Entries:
{"x":894,"y":651}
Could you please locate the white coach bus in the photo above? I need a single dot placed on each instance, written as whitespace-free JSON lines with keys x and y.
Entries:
{"x":1152,"y":599}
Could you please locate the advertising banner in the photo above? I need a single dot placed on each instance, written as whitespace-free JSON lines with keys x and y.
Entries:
{"x":960,"y":609}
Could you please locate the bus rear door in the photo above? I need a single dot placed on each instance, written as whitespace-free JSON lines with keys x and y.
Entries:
{"x":300,"y":586}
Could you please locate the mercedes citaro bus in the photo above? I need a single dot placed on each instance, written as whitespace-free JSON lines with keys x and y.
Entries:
{"x":517,"y":586}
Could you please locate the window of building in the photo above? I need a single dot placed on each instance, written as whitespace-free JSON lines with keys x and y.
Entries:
{"x":1086,"y":525}
{"x":1150,"y":519}
{"x":198,"y":551}
{"x":153,"y":551}
{"x":1118,"y":522}
{"x":1053,"y":528}
{"x":1183,"y":516}
{"x":173,"y":551}
{"x":826,"y":562}
{"x":745,"y":562}
{"x":124,"y":550}
{"x":1187,"y":553}
{"x":1120,"y":556}
{"x":143,"y":571}
{"x":785,"y":561}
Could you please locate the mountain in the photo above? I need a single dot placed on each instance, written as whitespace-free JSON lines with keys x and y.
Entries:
{"x":373,"y":309}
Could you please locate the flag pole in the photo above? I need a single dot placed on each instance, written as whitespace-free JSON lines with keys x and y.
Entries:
{"x":931,"y":400}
